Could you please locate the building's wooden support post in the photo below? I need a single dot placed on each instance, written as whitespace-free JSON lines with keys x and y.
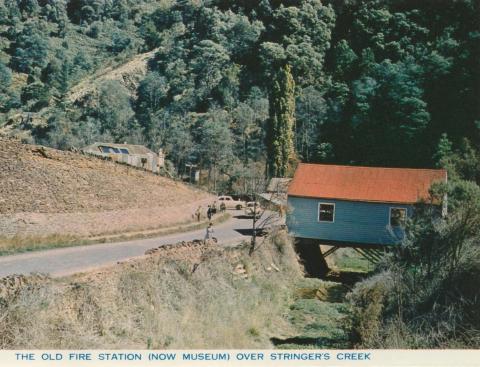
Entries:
{"x":330,"y":251}
{"x":311,"y":257}
{"x":372,"y":255}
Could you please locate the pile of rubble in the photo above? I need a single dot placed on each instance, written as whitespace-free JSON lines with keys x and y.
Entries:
{"x":193,"y":252}
{"x":11,"y":285}
{"x":197,"y":251}
{"x":188,"y":245}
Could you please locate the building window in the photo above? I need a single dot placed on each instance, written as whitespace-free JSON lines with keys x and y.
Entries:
{"x":326,"y":212}
{"x":105,"y":149}
{"x":398,"y":216}
{"x":124,"y":151}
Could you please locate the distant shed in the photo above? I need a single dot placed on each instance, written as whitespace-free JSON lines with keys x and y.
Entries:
{"x":278,"y":185}
{"x":356,"y":205}
{"x":131,"y":154}
{"x":276,"y":191}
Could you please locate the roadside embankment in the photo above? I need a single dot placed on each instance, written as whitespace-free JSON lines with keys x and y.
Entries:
{"x":187,"y":295}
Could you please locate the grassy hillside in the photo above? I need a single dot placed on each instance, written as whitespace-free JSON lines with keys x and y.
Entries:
{"x":187,"y":295}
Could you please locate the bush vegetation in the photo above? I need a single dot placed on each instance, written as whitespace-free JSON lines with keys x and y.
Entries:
{"x":426,"y":294}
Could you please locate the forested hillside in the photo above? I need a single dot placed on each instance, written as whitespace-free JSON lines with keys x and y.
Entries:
{"x":374,"y":82}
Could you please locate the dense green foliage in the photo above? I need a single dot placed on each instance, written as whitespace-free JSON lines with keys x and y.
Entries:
{"x":403,"y":73}
{"x":377,"y":82}
{"x":280,"y":124}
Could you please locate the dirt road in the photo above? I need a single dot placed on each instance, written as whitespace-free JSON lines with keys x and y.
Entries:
{"x":66,"y":261}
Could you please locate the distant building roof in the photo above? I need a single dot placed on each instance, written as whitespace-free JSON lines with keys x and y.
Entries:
{"x":277,"y":199}
{"x":278,"y":184}
{"x":132,"y":148}
{"x":372,"y":184}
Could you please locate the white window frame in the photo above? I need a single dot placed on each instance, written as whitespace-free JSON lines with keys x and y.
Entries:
{"x":318,"y":213}
{"x":390,"y":216}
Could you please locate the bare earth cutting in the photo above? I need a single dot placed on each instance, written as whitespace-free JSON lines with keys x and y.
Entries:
{"x":46,"y":192}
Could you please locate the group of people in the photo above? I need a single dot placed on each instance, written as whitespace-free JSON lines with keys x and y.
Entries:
{"x":211,"y":211}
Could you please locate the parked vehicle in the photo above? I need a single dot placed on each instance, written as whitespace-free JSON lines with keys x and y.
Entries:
{"x":231,"y":203}
{"x":253,"y":208}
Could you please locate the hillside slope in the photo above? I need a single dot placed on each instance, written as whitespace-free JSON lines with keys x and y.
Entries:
{"x":65,"y":192}
{"x":128,"y":74}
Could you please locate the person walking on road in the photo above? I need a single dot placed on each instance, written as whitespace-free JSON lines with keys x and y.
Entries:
{"x":198,"y":213}
{"x":209,"y":232}
{"x":214,"y":208}
{"x":209,"y":212}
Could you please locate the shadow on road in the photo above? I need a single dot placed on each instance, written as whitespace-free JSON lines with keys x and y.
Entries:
{"x":260,"y":232}
{"x":242,"y":216}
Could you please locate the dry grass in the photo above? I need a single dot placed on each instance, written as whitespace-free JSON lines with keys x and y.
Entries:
{"x":190,"y":225}
{"x":18,"y":244}
{"x":190,"y":298}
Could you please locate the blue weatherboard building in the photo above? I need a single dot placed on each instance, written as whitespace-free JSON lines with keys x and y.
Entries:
{"x":356,"y":206}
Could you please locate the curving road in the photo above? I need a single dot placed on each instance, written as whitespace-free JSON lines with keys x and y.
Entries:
{"x":67,"y":261}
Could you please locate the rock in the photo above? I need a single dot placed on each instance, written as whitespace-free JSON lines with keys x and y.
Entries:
{"x":274,"y":266}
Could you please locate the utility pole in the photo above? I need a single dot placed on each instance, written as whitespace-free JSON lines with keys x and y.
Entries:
{"x":254,"y":224}
{"x":215,"y":177}
{"x":254,"y":235}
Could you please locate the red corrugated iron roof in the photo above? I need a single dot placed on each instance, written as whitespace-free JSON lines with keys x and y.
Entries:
{"x":387,"y":185}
